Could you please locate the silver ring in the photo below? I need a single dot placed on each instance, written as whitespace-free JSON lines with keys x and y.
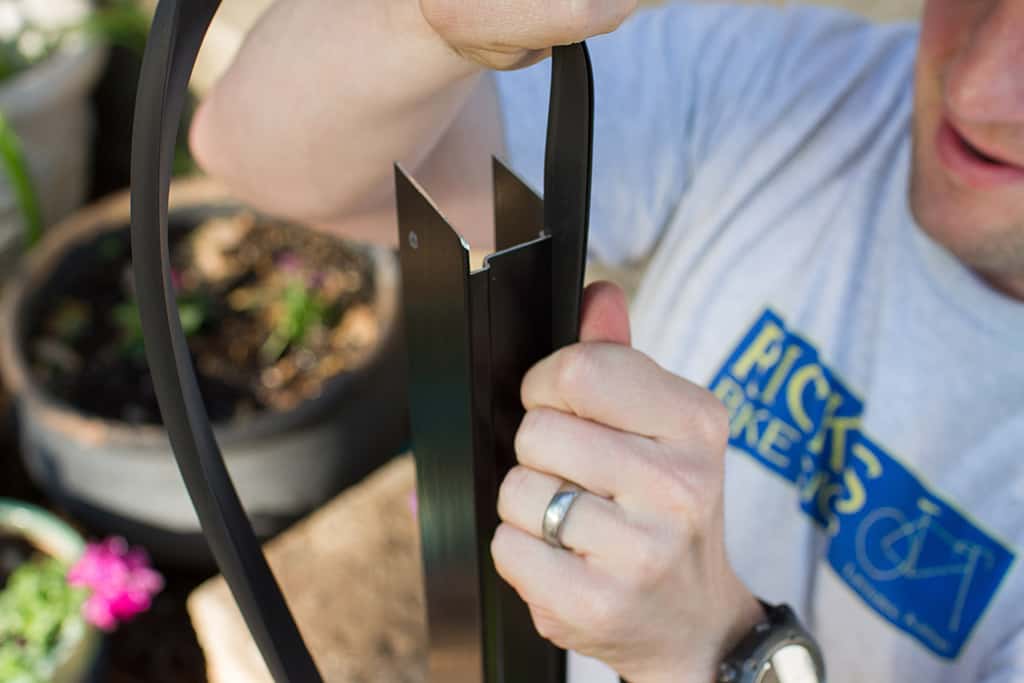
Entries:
{"x":556,"y":512}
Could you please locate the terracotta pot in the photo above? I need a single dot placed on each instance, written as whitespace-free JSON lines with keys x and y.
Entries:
{"x":122,"y":479}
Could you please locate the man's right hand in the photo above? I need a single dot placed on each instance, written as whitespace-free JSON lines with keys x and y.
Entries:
{"x":324,"y":97}
{"x":516,"y":33}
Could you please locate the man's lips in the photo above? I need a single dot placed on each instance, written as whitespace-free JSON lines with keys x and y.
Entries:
{"x":976,"y":167}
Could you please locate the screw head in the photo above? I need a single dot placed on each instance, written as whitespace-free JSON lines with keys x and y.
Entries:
{"x":414,"y":240}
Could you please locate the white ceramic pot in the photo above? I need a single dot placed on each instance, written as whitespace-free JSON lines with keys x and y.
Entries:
{"x":48,"y":106}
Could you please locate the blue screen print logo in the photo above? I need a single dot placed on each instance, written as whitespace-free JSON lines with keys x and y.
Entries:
{"x":919,"y":562}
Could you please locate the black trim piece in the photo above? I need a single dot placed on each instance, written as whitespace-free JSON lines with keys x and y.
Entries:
{"x":567,"y":171}
{"x":178,"y":30}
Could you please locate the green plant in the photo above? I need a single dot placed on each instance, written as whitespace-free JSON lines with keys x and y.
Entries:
{"x":114,"y":22}
{"x":12,"y":157}
{"x":36,"y":607}
{"x":120,"y":23}
{"x":192,"y":311}
{"x":300,"y":309}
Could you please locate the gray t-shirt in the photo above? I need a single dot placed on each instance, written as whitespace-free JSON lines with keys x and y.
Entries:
{"x":757,"y":160}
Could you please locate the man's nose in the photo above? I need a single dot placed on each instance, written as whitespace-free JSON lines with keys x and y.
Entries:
{"x":985,"y":83}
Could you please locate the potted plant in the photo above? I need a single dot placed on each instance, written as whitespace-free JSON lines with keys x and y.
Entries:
{"x":44,"y":635}
{"x":49,"y":64}
{"x":52,"y":53}
{"x":59,"y":595}
{"x":295,"y":338}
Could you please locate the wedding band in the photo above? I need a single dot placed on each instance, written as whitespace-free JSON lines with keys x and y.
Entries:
{"x":556,"y":512}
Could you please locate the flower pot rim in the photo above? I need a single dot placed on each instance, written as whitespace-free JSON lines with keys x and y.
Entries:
{"x":78,"y":647}
{"x":109,"y":215}
{"x":47,"y":532}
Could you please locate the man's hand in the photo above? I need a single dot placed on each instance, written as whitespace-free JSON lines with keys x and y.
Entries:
{"x":509,"y":35}
{"x":324,"y":97}
{"x":645,"y":584}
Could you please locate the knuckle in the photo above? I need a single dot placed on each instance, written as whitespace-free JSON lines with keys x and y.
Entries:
{"x":585,"y":18}
{"x":547,"y":625}
{"x":678,"y":488}
{"x":653,"y":467}
{"x":605,"y":610}
{"x":688,"y":496}
{"x":707,"y":422}
{"x":615,"y":16}
{"x":507,"y":555}
{"x":575,"y":370}
{"x":530,"y":432}
{"x":543,"y":623}
{"x":511,"y":489}
{"x":499,"y":546}
{"x":652,"y":560}
{"x":679,"y":483}
{"x":442,"y":15}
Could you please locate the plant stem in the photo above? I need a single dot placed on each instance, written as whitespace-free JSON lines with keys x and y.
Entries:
{"x":15,"y":166}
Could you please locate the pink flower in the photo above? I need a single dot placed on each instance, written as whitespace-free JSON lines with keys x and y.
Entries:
{"x":288,"y":262}
{"x":121,"y":582}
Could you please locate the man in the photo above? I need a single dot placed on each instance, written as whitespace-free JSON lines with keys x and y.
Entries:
{"x":833,"y":215}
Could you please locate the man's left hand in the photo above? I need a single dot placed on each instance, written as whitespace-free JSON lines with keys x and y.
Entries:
{"x":644,"y":583}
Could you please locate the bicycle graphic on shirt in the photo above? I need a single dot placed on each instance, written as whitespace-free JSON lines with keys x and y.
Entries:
{"x":891,"y":546}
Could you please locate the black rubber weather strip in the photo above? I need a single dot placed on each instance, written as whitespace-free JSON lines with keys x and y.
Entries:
{"x":178,"y":30}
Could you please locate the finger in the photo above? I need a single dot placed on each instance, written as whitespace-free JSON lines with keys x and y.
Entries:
{"x":625,"y":390}
{"x":605,"y":461}
{"x":533,"y":24}
{"x":594,"y":526}
{"x":604,"y":316}
{"x":547,"y":577}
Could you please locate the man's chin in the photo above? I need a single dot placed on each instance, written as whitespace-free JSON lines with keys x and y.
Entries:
{"x":982,"y":229}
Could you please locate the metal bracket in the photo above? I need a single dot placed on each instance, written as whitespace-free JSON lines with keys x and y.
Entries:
{"x":472,"y":337}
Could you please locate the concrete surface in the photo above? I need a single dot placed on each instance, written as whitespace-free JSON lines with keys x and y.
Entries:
{"x":352,"y":575}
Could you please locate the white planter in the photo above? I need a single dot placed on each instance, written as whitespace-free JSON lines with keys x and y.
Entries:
{"x":48,"y":107}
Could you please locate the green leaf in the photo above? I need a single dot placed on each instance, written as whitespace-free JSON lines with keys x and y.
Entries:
{"x":192,"y":313}
{"x":122,"y":23}
{"x":303,"y":310}
{"x":15,"y":166}
{"x":35,"y":606}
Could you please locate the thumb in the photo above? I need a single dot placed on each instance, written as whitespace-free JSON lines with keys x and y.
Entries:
{"x":605,"y":314}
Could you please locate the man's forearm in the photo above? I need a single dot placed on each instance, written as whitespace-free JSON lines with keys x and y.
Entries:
{"x":320,"y":101}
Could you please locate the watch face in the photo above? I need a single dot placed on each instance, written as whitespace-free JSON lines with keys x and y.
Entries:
{"x":790,"y":664}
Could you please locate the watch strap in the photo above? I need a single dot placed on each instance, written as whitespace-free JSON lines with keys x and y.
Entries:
{"x":766,"y":654}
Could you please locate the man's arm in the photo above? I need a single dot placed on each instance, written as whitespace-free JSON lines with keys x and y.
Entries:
{"x":323,"y":97}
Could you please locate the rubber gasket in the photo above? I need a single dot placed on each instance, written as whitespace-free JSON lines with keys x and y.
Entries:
{"x":177,"y":32}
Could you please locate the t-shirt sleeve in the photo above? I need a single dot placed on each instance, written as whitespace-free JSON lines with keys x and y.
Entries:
{"x":671,"y":85}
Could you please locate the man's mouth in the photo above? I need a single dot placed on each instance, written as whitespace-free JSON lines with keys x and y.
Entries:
{"x":971,"y":163}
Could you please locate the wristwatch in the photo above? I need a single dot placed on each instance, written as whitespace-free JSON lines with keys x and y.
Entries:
{"x":776,"y":650}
